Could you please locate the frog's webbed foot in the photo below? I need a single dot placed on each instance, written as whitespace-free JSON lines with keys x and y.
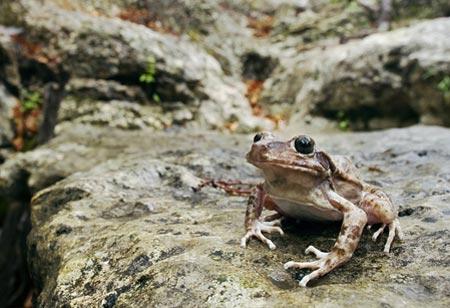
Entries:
{"x":325,"y":263}
{"x":258,"y":227}
{"x":394,"y":229}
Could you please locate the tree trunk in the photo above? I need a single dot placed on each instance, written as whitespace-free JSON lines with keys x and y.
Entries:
{"x":53,"y":95}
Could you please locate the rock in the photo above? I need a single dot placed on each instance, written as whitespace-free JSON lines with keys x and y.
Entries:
{"x":80,"y":147}
{"x":320,"y":23}
{"x":131,"y":231}
{"x":9,"y":68}
{"x":392,"y":76}
{"x":93,"y":47}
{"x":405,"y":10}
{"x":114,"y":113}
{"x":104,"y":90}
{"x":110,"y":103}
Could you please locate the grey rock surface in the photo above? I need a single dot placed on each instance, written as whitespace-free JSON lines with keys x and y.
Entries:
{"x":104,"y":90}
{"x":124,"y":227}
{"x":386,"y":79}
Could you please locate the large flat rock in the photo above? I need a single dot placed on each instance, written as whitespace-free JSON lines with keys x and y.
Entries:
{"x":129,"y":231}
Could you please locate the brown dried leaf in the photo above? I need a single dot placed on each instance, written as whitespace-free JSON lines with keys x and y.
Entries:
{"x":262,"y":26}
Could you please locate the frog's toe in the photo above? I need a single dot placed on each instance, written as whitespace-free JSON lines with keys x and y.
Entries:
{"x":310,"y":265}
{"x":394,"y":229}
{"x":319,"y":267}
{"x":275,"y":222}
{"x":258,"y":235}
{"x":322,"y":270}
{"x":326,"y":263}
{"x":378,"y":232}
{"x":257,"y":230}
{"x":319,"y":254}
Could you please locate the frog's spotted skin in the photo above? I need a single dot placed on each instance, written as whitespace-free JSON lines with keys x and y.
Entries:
{"x":301,"y":181}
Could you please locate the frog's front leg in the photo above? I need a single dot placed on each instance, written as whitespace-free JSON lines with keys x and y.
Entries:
{"x":352,"y":227}
{"x":253,"y":225}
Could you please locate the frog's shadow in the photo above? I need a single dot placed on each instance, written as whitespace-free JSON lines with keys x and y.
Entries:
{"x":322,"y":235}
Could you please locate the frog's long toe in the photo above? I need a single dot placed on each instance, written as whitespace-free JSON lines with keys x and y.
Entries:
{"x":378,"y":232}
{"x":394,"y":229}
{"x":319,"y":254}
{"x":310,"y":265}
{"x":257,"y":229}
{"x":275,"y":222}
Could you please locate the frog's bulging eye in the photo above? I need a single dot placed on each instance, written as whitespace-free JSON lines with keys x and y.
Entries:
{"x":304,"y":145}
{"x":257,"y":137}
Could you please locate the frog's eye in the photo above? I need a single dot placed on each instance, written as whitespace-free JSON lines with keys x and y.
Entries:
{"x":257,"y":137}
{"x":304,"y":144}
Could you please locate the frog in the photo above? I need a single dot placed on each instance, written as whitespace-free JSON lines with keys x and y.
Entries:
{"x":303,"y":182}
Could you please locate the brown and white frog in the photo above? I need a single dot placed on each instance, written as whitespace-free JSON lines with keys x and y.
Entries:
{"x":303,"y":182}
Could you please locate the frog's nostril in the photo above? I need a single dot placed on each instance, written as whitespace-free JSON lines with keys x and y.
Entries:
{"x":257,"y":137}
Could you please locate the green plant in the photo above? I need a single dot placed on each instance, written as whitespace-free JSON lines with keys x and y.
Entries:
{"x":149,"y":76}
{"x":31,"y":100}
{"x":343,"y":121}
{"x":150,"y":71}
{"x":444,"y":86}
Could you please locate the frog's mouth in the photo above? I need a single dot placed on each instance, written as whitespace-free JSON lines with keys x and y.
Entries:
{"x":306,"y":167}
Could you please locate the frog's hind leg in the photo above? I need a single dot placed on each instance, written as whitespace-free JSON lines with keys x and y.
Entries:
{"x":378,"y":206}
{"x":254,"y":226}
{"x":352,"y":227}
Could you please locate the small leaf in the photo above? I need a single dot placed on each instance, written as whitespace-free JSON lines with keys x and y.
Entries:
{"x":156,"y":98}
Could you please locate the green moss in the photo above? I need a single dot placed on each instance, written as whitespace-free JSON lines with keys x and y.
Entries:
{"x":31,"y":101}
{"x":444,"y":86}
{"x":248,"y":283}
{"x":195,"y":36}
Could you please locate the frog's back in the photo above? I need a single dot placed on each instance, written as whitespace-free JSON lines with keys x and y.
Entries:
{"x":347,"y":179}
{"x":345,"y":164}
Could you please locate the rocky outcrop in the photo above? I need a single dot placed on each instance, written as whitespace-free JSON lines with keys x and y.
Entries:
{"x":386,"y":79}
{"x":128,"y":230}
{"x":184,"y":77}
